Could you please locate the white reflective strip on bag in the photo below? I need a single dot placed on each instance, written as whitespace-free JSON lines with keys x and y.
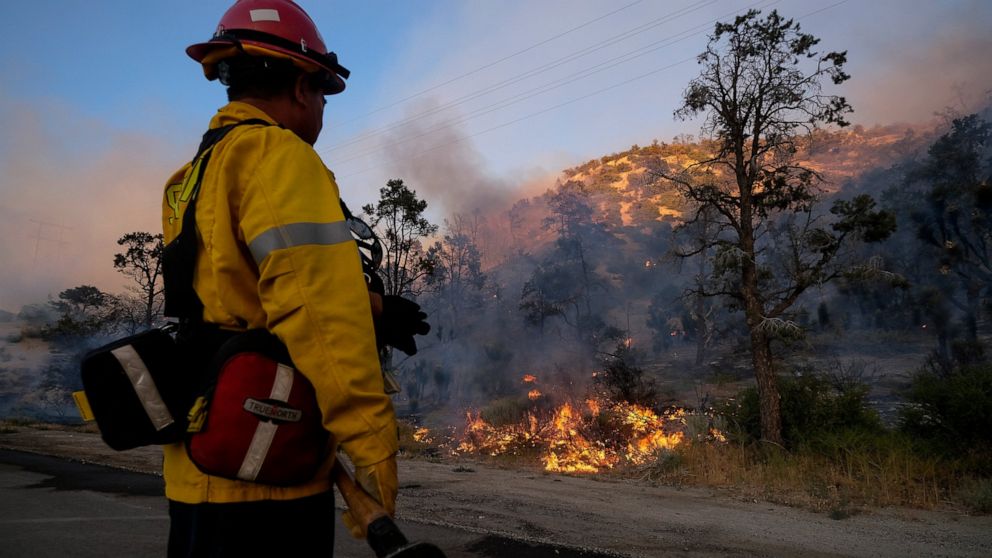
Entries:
{"x":144,"y":386}
{"x":283,"y":384}
{"x":265,"y":432}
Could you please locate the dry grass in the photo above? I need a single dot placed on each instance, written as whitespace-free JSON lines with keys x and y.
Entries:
{"x":839,"y":484}
{"x":411,"y":447}
{"x":842,"y":476}
{"x":14,"y":424}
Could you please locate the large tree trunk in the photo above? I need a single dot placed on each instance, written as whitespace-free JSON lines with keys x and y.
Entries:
{"x":769,"y":400}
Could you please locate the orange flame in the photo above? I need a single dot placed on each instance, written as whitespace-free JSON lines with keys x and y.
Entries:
{"x":534,"y":394}
{"x":601,"y":436}
{"x":593,"y":406}
{"x":571,"y":452}
{"x":422,"y":435}
{"x":529,"y":378}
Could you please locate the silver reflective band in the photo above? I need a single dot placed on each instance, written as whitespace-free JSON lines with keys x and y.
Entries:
{"x":265,"y":432}
{"x":298,"y":234}
{"x":144,"y":386}
{"x":264,"y":410}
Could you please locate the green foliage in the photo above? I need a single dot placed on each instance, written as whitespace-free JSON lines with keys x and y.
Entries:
{"x":571,"y":210}
{"x":546,"y":294}
{"x":623,"y":381}
{"x":814,"y":412}
{"x":977,"y":494}
{"x":82,"y":311}
{"x":856,"y":217}
{"x":760,"y":89}
{"x":753,"y":51}
{"x":953,"y":216}
{"x":952,"y":409}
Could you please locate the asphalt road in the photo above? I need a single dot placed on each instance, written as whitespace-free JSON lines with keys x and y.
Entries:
{"x":50,"y":507}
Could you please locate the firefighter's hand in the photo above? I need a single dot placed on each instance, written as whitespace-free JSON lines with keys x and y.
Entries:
{"x":380,"y":482}
{"x":401,"y":319}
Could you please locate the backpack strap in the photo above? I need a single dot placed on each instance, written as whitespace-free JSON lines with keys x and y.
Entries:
{"x":179,"y":257}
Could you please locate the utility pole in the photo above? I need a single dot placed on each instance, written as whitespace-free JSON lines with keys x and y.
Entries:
{"x":49,"y":232}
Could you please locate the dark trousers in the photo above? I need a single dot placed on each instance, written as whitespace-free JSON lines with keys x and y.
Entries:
{"x":303,"y":527}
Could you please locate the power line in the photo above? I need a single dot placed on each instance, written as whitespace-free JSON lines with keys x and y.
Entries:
{"x":40,"y":236}
{"x":533,"y":114}
{"x":505,"y":103}
{"x":530,"y":73}
{"x":493,"y":63}
{"x":555,"y":84}
{"x":575,"y":100}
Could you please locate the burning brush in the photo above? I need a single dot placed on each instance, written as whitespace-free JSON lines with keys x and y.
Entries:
{"x":590,"y":437}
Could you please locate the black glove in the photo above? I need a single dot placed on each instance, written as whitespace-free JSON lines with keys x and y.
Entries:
{"x":401,"y":319}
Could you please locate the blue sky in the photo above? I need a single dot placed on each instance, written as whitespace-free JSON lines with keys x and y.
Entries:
{"x":100,"y":103}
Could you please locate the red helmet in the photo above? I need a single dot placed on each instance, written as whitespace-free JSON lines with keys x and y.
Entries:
{"x":277,"y":28}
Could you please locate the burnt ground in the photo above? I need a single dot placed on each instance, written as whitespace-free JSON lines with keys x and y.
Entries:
{"x":503,"y":512}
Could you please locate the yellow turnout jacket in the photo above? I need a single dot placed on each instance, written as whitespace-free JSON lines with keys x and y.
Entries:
{"x":274,"y":251}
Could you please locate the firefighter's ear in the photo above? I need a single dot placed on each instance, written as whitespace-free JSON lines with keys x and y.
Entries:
{"x":302,"y":92}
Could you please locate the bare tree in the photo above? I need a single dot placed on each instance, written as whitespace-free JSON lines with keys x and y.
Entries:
{"x":760,"y":90}
{"x":142,"y":262}
{"x":457,"y":280}
{"x":702,"y":308}
{"x":399,"y":219}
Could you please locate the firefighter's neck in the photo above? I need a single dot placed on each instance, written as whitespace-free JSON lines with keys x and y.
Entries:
{"x":288,"y":113}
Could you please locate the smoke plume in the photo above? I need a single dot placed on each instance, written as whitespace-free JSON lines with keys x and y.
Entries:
{"x":72,"y":185}
{"x":910,"y":82}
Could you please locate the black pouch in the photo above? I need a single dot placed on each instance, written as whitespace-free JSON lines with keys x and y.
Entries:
{"x":138,"y":389}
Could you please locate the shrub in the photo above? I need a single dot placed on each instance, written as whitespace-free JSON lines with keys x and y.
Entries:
{"x":624,"y":382}
{"x":812,"y":410}
{"x":951,"y":409}
{"x":978,"y":495}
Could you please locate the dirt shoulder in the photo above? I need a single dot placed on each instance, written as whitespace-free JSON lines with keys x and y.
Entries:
{"x":606,"y":515}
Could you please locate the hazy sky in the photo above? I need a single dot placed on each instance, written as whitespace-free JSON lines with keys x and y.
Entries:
{"x":468,"y":101}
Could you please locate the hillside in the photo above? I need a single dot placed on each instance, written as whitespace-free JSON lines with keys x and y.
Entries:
{"x":621,"y":179}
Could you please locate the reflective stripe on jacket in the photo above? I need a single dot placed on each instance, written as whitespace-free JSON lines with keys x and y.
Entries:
{"x":274,"y":251}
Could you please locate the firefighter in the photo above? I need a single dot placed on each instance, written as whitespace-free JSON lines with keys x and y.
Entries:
{"x":274,"y":251}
